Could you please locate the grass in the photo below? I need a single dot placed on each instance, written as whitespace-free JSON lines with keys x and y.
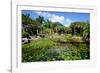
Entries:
{"x":36,"y":49}
{"x":49,"y":49}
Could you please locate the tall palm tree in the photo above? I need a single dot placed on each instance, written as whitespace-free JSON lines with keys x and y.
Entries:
{"x":40,"y":21}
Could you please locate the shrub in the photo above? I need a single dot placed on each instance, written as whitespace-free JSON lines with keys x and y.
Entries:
{"x":25,"y":34}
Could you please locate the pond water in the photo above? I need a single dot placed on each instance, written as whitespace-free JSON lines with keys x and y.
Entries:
{"x":69,"y":52}
{"x":59,"y":52}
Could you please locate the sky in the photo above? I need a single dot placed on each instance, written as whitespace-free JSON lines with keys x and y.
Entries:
{"x":65,"y":18}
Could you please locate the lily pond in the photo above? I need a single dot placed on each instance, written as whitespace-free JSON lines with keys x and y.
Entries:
{"x":54,"y":49}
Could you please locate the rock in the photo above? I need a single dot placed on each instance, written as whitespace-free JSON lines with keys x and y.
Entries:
{"x":25,"y":40}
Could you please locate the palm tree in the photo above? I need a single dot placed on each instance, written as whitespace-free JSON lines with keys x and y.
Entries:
{"x":86,"y":33}
{"x":40,"y":21}
{"x":77,"y":28}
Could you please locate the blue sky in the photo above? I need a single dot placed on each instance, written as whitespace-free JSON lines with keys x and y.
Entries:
{"x":66,"y":18}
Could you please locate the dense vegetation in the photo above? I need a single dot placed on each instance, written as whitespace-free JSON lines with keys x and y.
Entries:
{"x":43,"y":40}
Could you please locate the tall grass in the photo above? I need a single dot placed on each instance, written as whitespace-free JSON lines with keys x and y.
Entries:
{"x":49,"y":50}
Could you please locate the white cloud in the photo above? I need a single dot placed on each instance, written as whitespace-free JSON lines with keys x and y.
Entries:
{"x":39,"y":13}
{"x":55,"y":18}
{"x":45,"y":14}
{"x":51,"y":17}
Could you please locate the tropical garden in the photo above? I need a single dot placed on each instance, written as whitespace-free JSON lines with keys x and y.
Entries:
{"x":44,"y":40}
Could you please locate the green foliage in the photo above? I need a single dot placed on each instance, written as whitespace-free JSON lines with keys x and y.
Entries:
{"x":81,"y":29}
{"x":25,"y":34}
{"x":36,"y":49}
{"x":86,"y":33}
{"x":48,"y":50}
{"x":40,"y":19}
{"x":52,"y":41}
{"x":26,"y":19}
